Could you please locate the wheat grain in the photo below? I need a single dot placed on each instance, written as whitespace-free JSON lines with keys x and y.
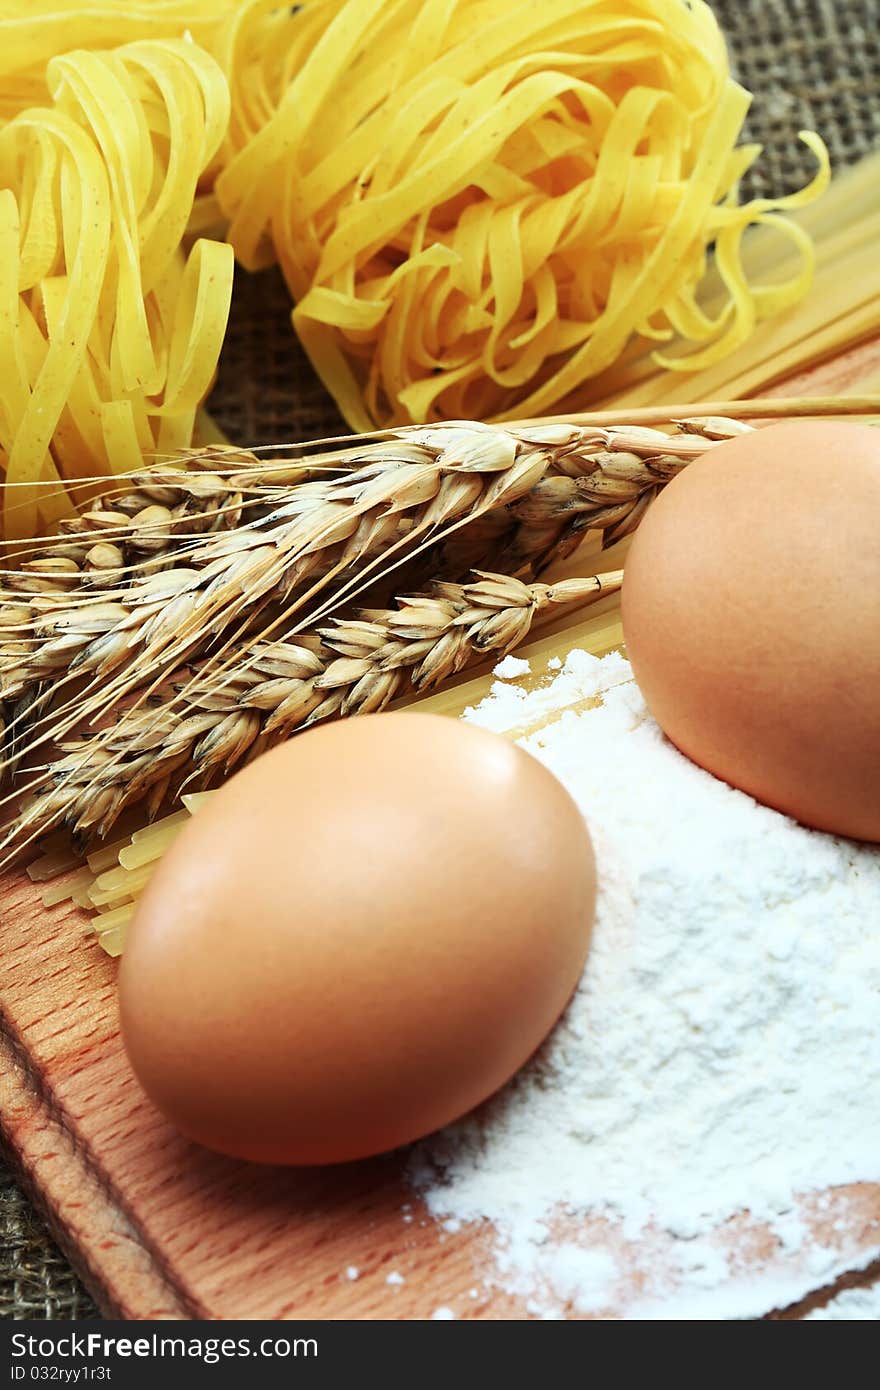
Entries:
{"x":101,"y":549}
{"x":351,"y":666}
{"x":397,"y":497}
{"x":155,"y":509}
{"x":536,"y":488}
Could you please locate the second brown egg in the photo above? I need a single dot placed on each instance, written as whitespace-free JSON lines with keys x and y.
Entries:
{"x":751,"y":612}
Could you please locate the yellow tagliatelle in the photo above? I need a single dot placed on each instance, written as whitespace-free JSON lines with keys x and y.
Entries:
{"x":34,"y":31}
{"x":478,"y":204}
{"x":109,"y":331}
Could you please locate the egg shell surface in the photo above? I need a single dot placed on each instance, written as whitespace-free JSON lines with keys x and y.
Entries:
{"x":751,"y":613}
{"x":364,"y":934}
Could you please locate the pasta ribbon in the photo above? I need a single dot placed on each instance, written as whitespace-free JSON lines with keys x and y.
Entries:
{"x":479,"y":204}
{"x":479,"y":207}
{"x":110,"y":330}
{"x":34,"y":31}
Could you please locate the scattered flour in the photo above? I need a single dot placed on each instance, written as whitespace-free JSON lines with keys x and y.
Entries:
{"x":582,"y":677}
{"x":443,"y":1315}
{"x":852,"y":1305}
{"x":395,"y":1279}
{"x":511,"y":667}
{"x":352,"y":1272}
{"x":720,"y":1060}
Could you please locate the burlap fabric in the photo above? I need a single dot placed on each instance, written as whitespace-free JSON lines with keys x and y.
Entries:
{"x":810,"y":63}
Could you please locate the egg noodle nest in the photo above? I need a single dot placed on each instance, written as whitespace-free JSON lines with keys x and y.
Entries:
{"x":477,"y":208}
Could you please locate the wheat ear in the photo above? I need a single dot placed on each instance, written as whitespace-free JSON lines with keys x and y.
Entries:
{"x":351,"y":666}
{"x":103,"y":548}
{"x":404,"y":497}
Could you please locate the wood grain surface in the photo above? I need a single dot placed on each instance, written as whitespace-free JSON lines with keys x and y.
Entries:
{"x":162,"y":1229}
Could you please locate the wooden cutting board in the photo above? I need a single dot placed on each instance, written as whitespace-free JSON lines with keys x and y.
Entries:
{"x":161,"y":1229}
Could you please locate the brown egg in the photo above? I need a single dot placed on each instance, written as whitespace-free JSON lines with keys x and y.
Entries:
{"x":751,"y":611}
{"x":359,"y":938}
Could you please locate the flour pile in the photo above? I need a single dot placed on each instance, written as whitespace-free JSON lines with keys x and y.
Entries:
{"x":853,"y":1305}
{"x":719,"y":1063}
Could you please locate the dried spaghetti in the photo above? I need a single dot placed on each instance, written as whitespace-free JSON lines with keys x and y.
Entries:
{"x":477,"y":205}
{"x":109,"y":330}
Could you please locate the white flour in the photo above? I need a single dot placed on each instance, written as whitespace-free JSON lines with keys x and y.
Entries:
{"x":853,"y":1305}
{"x":720,"y":1057}
{"x":511,"y":667}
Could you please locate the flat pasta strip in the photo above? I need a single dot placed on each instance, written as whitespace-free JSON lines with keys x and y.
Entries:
{"x":110,"y":330}
{"x":480,"y":206}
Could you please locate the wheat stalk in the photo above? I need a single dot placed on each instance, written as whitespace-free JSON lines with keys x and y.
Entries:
{"x":121,"y":532}
{"x":349,"y":667}
{"x":313,"y":528}
{"x":147,"y":516}
{"x":102,"y":548}
{"x":535,"y":489}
